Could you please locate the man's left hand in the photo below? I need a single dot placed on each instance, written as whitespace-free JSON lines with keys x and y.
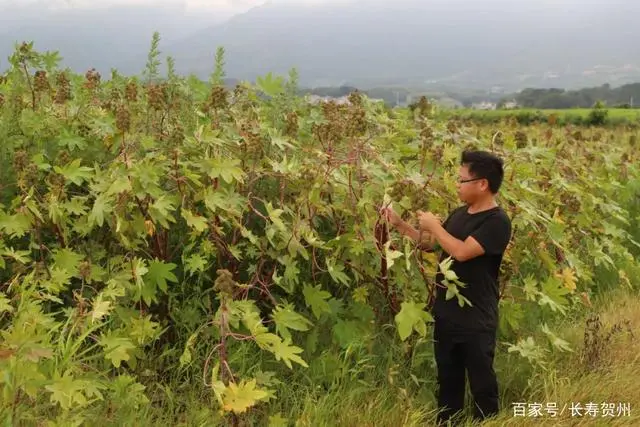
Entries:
{"x":428,"y":221}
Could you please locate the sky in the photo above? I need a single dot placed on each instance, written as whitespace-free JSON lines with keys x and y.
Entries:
{"x":228,"y":6}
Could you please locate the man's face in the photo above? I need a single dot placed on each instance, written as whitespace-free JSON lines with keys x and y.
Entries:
{"x":469,"y":188}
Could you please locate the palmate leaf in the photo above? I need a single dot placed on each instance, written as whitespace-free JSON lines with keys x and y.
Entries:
{"x":286,"y":318}
{"x":74,"y":172}
{"x":283,"y":350}
{"x":116,"y":349}
{"x":159,"y":273}
{"x":238,"y":398}
{"x":316,"y":299}
{"x":412,"y":316}
{"x":227,"y":169}
{"x":17,"y":225}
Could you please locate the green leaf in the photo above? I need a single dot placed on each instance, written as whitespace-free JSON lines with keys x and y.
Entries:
{"x":288,"y":353}
{"x":227,"y":169}
{"x":5,"y":304}
{"x":116,"y":349}
{"x":270,"y":85}
{"x":199,"y":223}
{"x":67,"y":260}
{"x":74,"y":172}
{"x":160,"y":211}
{"x":336,"y":271}
{"x":552,"y":294}
{"x":277,"y":421}
{"x":316,"y":299}
{"x":17,"y":225}
{"x":67,"y":391}
{"x":159,"y":273}
{"x":286,"y":318}
{"x":101,"y":206}
{"x":412,"y":316}
{"x":120,"y":185}
{"x":71,"y":141}
{"x":556,"y":341}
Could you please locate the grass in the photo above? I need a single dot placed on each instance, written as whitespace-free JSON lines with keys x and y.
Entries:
{"x":375,"y":392}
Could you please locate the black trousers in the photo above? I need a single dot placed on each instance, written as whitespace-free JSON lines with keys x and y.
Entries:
{"x":474,"y":353}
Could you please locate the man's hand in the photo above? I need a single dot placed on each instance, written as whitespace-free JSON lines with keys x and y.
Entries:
{"x":391,"y":216}
{"x":428,"y":221}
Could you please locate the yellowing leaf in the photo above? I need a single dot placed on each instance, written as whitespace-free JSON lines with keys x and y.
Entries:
{"x":238,"y":398}
{"x":100,"y":308}
{"x":568,"y":278}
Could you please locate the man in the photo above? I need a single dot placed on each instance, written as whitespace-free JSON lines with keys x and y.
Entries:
{"x":475,"y":235}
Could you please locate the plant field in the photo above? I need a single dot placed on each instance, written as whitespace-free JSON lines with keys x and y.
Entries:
{"x":611,"y":117}
{"x":173,"y":252}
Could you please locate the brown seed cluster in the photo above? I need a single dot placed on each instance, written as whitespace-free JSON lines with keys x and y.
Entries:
{"x":26,"y":171}
{"x":291,"y":125}
{"x":131,"y":92}
{"x":92,"y":78}
{"x":41,"y":83}
{"x":419,"y":198}
{"x":218,"y":98}
{"x":157,"y":95}
{"x":63,"y":88}
{"x":521,"y":139}
{"x":123,"y":118}
{"x":177,"y":135}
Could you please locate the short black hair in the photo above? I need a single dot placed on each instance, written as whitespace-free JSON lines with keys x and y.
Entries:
{"x":483,"y":164}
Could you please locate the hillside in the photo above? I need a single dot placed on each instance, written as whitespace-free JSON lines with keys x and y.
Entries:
{"x":413,"y":42}
{"x":493,"y":44}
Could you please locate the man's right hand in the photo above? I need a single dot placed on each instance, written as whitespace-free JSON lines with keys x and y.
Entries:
{"x":391,"y":216}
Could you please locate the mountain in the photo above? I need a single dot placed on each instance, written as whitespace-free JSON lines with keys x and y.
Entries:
{"x":474,"y":43}
{"x":499,"y":45}
{"x":104,"y":37}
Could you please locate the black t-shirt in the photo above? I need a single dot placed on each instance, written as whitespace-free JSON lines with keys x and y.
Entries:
{"x":492,"y":229}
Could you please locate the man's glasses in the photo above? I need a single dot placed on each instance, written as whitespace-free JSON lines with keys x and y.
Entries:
{"x":462,"y":181}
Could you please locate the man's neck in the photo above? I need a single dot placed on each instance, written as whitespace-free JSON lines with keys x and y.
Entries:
{"x":482,"y":205}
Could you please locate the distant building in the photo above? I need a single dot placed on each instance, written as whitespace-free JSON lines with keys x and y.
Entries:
{"x":484,"y":105}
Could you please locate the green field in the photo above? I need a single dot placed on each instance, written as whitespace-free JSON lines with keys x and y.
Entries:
{"x":173,"y":252}
{"x":576,"y":116}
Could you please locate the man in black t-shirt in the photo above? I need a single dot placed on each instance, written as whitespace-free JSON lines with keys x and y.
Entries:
{"x":475,"y":235}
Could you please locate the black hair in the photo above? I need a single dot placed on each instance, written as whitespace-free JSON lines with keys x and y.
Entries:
{"x":483,"y":164}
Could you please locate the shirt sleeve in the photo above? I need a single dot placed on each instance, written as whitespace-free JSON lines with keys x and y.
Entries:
{"x":494,"y":234}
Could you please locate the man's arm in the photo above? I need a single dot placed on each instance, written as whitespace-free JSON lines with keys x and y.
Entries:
{"x":492,"y":237}
{"x":459,"y":250}
{"x":428,"y":240}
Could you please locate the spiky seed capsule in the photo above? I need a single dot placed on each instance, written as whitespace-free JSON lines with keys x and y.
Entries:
{"x":177,"y":136}
{"x":41,"y":83}
{"x":20,"y":160}
{"x":92,"y":79}
{"x":291,"y":126}
{"x":218,"y":98}
{"x":131,"y":92}
{"x":521,"y":139}
{"x":157,"y":95}
{"x":63,"y":92}
{"x":224,"y":282}
{"x":123,"y":119}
